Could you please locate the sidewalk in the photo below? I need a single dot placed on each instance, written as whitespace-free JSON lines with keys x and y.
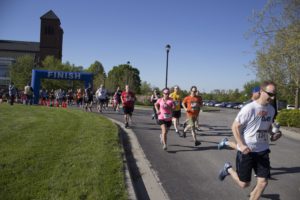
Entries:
{"x":293,"y":133}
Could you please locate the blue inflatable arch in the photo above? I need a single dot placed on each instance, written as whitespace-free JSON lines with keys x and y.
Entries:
{"x":37,"y":75}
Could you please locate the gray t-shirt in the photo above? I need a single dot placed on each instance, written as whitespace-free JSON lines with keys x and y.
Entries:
{"x":256,"y":121}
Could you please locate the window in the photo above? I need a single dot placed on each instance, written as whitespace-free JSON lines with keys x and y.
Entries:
{"x":49,"y":30}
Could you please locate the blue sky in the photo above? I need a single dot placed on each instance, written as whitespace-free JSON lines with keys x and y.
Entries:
{"x":207,"y":37}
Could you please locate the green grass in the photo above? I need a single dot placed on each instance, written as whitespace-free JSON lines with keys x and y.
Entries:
{"x":55,"y":153}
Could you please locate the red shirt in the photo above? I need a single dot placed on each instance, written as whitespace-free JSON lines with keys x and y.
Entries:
{"x":128,"y":99}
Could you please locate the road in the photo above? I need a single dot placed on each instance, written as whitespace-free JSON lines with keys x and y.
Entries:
{"x":189,"y":172}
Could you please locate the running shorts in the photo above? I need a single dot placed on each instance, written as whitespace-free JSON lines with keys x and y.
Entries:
{"x":259,"y":161}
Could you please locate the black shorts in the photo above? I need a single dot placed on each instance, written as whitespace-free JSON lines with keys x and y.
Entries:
{"x":259,"y":161}
{"x":176,"y":114}
{"x":128,"y":110}
{"x":101,"y":101}
{"x":167,"y":123}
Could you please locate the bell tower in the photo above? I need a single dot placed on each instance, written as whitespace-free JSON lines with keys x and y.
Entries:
{"x":51,"y":36}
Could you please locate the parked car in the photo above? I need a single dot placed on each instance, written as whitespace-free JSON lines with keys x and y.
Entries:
{"x":290,"y":107}
{"x":232,"y":104}
{"x":211,"y":103}
{"x":222,"y":104}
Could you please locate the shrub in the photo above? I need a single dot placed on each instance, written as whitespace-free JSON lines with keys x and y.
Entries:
{"x":289,"y":118}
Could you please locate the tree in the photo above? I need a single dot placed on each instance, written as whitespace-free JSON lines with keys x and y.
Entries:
{"x":99,"y":74}
{"x":277,"y":31}
{"x":21,"y":71}
{"x":146,"y":88}
{"x":122,"y":75}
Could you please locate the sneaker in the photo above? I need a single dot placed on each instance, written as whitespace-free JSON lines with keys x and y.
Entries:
{"x":126,"y":125}
{"x":222,"y":144}
{"x":198,"y":129}
{"x":153,"y":116}
{"x":177,"y":131}
{"x":197,"y":143}
{"x":224,"y":171}
{"x":165,"y":147}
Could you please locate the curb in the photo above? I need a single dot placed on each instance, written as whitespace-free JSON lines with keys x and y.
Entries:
{"x":290,"y":134}
{"x":149,"y":177}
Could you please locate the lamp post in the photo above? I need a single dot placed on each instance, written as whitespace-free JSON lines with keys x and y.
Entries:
{"x":168,"y":47}
{"x":127,"y":75}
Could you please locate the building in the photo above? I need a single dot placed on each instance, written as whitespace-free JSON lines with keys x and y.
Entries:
{"x":51,"y":40}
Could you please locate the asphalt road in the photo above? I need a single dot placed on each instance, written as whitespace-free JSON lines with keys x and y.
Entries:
{"x":189,"y":172}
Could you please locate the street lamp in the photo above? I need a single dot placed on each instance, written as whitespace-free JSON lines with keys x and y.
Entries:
{"x":168,"y":47}
{"x":127,"y":75}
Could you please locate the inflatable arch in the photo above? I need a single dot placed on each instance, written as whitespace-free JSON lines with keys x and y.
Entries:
{"x":37,"y":75}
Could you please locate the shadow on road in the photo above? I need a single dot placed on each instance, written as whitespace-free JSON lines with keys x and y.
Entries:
{"x":271,"y":196}
{"x":285,"y":170}
{"x":191,"y":148}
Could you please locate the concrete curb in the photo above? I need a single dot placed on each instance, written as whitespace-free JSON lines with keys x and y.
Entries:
{"x":148,"y":175}
{"x":290,"y":134}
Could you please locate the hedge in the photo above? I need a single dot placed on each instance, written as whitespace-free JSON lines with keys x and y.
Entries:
{"x":289,"y":118}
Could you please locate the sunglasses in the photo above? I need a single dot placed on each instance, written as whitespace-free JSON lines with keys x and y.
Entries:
{"x":269,"y":93}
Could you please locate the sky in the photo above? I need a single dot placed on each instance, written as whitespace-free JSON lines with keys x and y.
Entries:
{"x":207,"y":37}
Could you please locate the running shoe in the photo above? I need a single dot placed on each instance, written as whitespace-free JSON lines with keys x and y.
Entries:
{"x":224,"y":171}
{"x":222,"y":144}
{"x":197,"y":143}
{"x":165,"y":147}
{"x":126,"y":125}
{"x":177,"y":131}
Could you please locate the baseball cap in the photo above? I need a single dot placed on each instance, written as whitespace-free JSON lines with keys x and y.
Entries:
{"x":256,"y":89}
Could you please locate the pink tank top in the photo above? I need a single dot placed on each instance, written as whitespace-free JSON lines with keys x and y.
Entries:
{"x":165,"y":108}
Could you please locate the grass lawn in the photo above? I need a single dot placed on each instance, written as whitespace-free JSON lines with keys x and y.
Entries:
{"x":56,"y":153}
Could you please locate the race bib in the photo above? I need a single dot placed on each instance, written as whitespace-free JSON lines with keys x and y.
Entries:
{"x":261,"y":136}
{"x":128,"y":98}
{"x":195,"y":106}
{"x":167,"y":116}
{"x":176,"y":103}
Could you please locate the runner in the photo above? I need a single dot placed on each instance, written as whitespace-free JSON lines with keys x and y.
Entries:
{"x":250,"y":129}
{"x":117,"y":100}
{"x":176,"y":114}
{"x":88,"y":98}
{"x":154,"y":97}
{"x":192,"y":104}
{"x":79,"y":97}
{"x":101,"y":95}
{"x":128,"y":99}
{"x":164,"y":107}
{"x":12,"y":92}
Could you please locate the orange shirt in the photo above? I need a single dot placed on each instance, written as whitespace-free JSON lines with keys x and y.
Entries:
{"x":193,"y":105}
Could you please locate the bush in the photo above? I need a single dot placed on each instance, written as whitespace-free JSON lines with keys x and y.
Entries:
{"x":289,"y":118}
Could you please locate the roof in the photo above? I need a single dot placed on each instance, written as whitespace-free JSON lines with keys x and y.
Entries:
{"x":50,"y":15}
{"x":10,"y":45}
